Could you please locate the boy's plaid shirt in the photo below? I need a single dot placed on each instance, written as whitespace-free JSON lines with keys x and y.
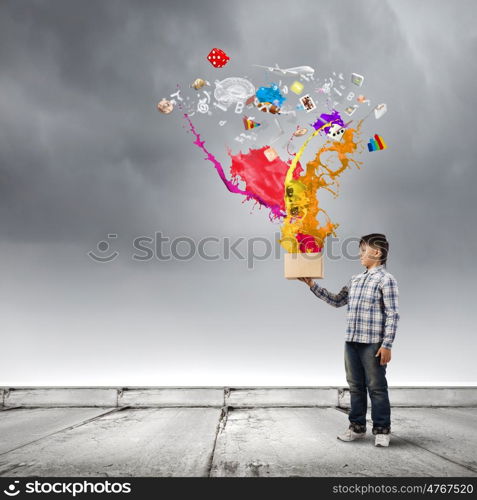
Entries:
{"x":373,"y":309}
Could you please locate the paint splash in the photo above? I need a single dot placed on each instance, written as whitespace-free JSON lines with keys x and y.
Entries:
{"x":322,"y":121}
{"x":281,"y":188}
{"x":264,"y":178}
{"x":301,"y":202}
{"x":277,"y":209}
{"x":270,"y":94}
{"x":307,"y":243}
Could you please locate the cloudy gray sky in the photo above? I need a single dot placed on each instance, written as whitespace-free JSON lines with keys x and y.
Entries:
{"x":84,"y":153}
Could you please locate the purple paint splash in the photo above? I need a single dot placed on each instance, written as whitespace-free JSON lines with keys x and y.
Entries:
{"x":333,"y":117}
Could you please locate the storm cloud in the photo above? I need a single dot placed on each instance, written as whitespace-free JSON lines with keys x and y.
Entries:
{"x":84,"y":154}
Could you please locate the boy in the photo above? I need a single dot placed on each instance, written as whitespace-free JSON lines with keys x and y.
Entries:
{"x":372,"y":299}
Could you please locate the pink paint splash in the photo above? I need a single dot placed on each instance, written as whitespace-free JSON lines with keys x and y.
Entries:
{"x":307,"y":243}
{"x":264,"y":180}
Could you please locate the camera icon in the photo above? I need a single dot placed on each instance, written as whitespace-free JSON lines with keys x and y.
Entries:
{"x":103,"y":248}
{"x":12,"y":491}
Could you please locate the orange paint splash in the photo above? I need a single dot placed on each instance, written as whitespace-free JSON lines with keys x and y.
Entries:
{"x":301,"y":202}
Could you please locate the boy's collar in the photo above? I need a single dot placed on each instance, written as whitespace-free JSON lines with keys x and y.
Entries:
{"x":374,"y":269}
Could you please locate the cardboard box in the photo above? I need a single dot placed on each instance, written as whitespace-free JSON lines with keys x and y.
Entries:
{"x":303,"y":265}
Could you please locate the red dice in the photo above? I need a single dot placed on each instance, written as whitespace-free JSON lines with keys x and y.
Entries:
{"x":218,"y":58}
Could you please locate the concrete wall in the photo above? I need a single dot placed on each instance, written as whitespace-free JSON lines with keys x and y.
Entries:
{"x":217,"y":397}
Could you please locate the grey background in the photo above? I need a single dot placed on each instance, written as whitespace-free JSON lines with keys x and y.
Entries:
{"x":84,"y":153}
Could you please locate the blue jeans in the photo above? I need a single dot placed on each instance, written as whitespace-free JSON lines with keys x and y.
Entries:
{"x":364,"y":371}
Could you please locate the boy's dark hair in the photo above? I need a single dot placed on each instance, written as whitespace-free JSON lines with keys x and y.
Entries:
{"x":379,"y":241}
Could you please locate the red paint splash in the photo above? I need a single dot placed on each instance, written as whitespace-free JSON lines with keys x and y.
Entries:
{"x":264,"y":180}
{"x":307,"y":243}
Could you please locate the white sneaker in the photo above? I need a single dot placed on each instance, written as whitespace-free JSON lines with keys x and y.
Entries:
{"x":382,"y":439}
{"x":350,"y":435}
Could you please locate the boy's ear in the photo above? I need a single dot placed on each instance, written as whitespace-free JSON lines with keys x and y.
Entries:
{"x":378,"y":252}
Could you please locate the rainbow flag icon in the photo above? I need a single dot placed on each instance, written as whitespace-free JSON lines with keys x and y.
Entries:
{"x":249,"y":124}
{"x":376,"y":143}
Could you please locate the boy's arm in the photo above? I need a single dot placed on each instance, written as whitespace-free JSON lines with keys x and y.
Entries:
{"x":390,"y":293}
{"x":336,"y":300}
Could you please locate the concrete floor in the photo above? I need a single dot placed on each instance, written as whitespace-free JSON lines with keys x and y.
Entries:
{"x":231,"y":441}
